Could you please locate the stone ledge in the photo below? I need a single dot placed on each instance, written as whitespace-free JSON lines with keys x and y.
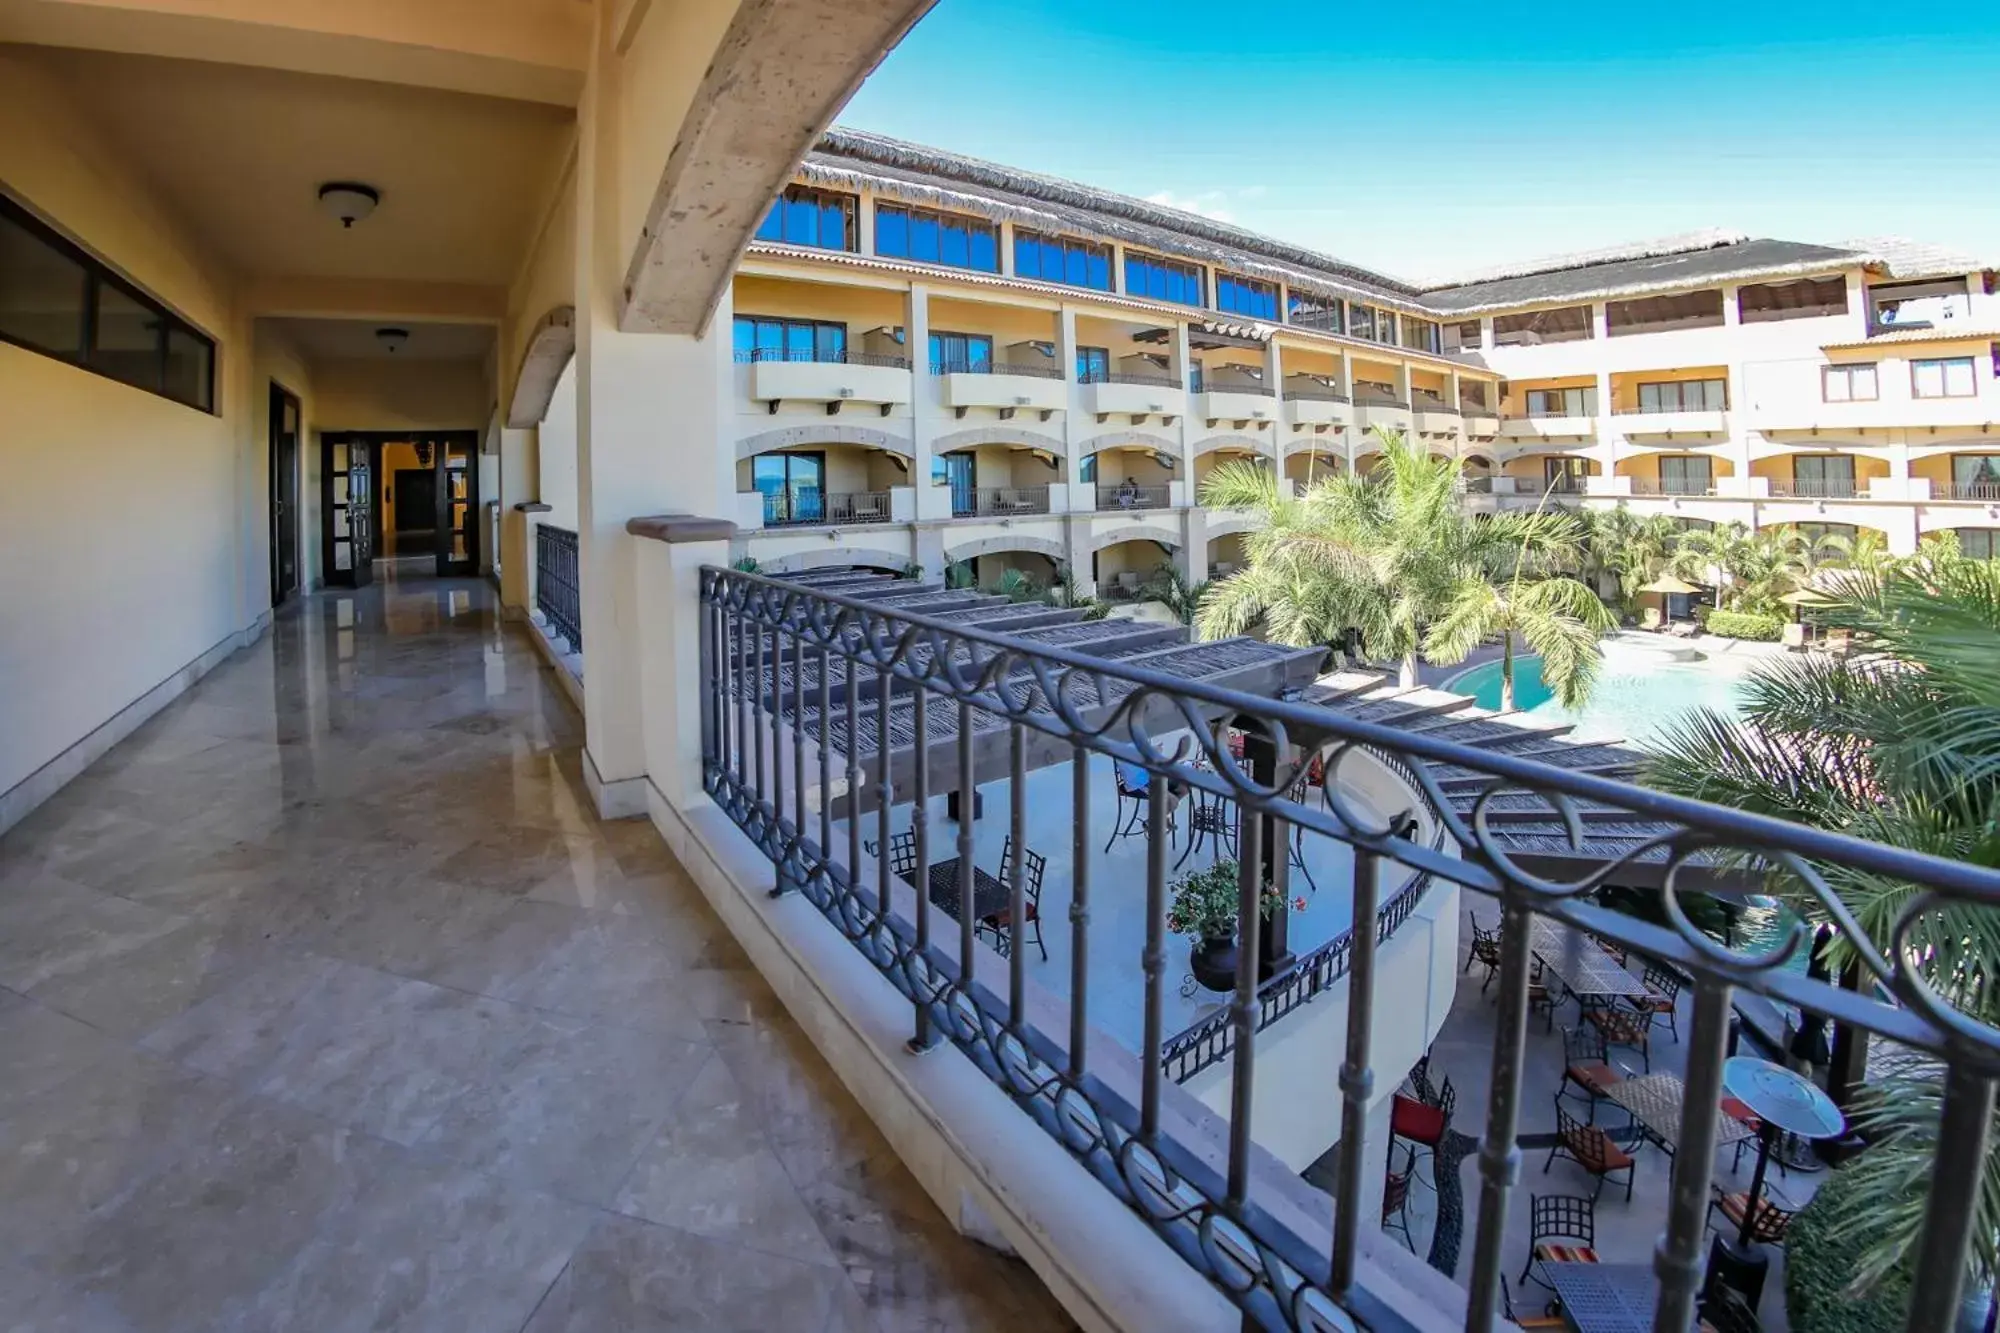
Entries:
{"x":677,"y":528}
{"x":531,"y":507}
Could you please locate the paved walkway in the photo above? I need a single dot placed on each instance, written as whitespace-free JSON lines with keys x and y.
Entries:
{"x":326,"y":1004}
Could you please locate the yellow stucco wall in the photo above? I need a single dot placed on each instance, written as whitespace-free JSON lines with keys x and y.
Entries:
{"x":1625,"y":388}
{"x":1647,"y":466}
{"x":1779,"y":467}
{"x":860,"y":308}
{"x":385,"y":394}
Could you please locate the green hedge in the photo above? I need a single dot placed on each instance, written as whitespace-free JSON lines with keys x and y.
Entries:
{"x":1818,"y":1268}
{"x":1744,"y":625}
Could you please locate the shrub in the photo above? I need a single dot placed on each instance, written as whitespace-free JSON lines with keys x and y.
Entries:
{"x":1745,"y":625}
{"x":1819,"y":1264}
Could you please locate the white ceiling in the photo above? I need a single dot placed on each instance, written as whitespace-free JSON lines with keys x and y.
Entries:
{"x":354,"y":339}
{"x":240,"y":153}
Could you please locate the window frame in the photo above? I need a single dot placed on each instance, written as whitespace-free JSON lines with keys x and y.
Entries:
{"x":850,"y":205}
{"x":1168,"y":267}
{"x":1944,"y":363}
{"x":1680,"y":388}
{"x":943,"y":221}
{"x":1065,"y":246}
{"x":1261,"y":297}
{"x":1847,"y":371}
{"x":942,"y":364}
{"x":97,"y":273}
{"x":787,"y":322}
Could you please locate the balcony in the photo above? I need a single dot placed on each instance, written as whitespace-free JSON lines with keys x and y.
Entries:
{"x":1318,"y":407}
{"x":1133,"y":393}
{"x":999,"y":501}
{"x":879,"y":380}
{"x":1672,"y":486}
{"x":1005,"y":387}
{"x":820,"y":508}
{"x":1548,"y":426}
{"x":1791,"y":488}
{"x":1481,"y":421}
{"x":1234,"y":402}
{"x":1972,"y":492}
{"x":1686,"y":421}
{"x":1433,"y":416}
{"x":1130,"y":497}
{"x":1378,"y":413}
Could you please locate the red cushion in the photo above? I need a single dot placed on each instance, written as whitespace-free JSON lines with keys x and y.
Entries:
{"x":1590,"y":1141}
{"x":1595,"y":1074}
{"x":1549,"y":1252}
{"x":1411,"y":1119}
{"x":1737,"y":1111}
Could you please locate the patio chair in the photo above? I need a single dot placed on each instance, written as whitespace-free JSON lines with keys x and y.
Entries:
{"x":902,"y":854}
{"x":1651,"y":619}
{"x":1723,"y":1310}
{"x":1396,"y":1196}
{"x":1542,"y":998}
{"x":1590,"y":1148}
{"x":1129,"y":814}
{"x":1744,"y":1116}
{"x":1550,"y":1317}
{"x":1419,"y":1080}
{"x":1586,"y":1064}
{"x":1663,"y":985}
{"x":1562,"y":1229}
{"x":1485,"y":951}
{"x":1773,"y":1219}
{"x":1423,"y":1122}
{"x":1620,"y":1026}
{"x":1033,"y":865}
{"x":1683,"y":629}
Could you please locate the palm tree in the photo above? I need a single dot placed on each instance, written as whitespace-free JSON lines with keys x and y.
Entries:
{"x":1174,"y":590}
{"x":1903,"y":747}
{"x":1396,"y":556}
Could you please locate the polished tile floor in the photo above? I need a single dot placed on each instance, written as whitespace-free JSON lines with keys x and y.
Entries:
{"x":326,"y":1004}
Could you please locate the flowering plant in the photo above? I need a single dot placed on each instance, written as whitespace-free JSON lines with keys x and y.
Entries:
{"x":1204,"y":903}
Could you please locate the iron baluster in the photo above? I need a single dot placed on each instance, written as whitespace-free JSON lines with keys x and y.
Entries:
{"x":885,"y":795}
{"x":1243,"y":1008}
{"x":968,"y":795}
{"x":1500,"y":1155}
{"x":1357,"y":1079}
{"x":799,"y":740}
{"x":1153,"y":961}
{"x":1017,"y":981}
{"x":1964,"y":1127}
{"x":1079,"y":915}
{"x":1677,"y":1257}
{"x":920,"y":834}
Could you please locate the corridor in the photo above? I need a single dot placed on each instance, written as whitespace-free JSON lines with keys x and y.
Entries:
{"x":327,"y":1004}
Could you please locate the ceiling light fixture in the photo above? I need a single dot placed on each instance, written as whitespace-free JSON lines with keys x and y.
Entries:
{"x":348,"y":201}
{"x":392,"y":340}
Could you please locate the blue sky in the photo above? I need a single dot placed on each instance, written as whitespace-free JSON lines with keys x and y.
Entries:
{"x":1436,"y":139}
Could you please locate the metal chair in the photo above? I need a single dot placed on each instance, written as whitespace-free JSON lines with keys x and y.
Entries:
{"x":1562,"y":1229}
{"x":1590,"y":1148}
{"x":1129,"y":815}
{"x":1663,"y":986}
{"x":1620,"y":1026}
{"x":1396,"y":1197}
{"x":1033,"y":865}
{"x":1542,"y":997}
{"x":902,"y":854}
{"x":1586,"y":1064}
{"x":1530,"y":1321}
{"x":1772,"y":1220}
{"x":1485,"y":951}
{"x":1423,"y":1122}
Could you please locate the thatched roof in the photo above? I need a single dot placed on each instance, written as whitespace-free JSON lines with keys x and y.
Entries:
{"x":1735,"y":260}
{"x":1904,"y":258}
{"x":1680,"y":243}
{"x":854,"y":159}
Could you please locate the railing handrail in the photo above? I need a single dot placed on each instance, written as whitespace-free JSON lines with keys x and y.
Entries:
{"x":1160,"y":380}
{"x":1032,"y":498}
{"x":1435,"y":405}
{"x":995,"y":368}
{"x":759,"y":355}
{"x":1380,"y":400}
{"x":1549,"y":414}
{"x":1209,"y":385}
{"x":1315,"y":396}
{"x":1656,"y":411}
{"x":1148,"y":496}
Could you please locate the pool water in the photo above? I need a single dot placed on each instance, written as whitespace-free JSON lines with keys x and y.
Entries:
{"x":1632,"y":701}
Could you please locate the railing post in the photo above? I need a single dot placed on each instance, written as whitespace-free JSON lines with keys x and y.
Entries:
{"x":1357,"y":1079}
{"x":1678,"y":1258}
{"x":1499,"y":1155}
{"x":673,"y":631}
{"x":1964,"y":1128}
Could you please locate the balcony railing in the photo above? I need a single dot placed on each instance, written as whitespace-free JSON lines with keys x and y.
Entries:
{"x":784,"y":509}
{"x":757,"y":355}
{"x":1212,"y":385}
{"x":1314,"y":396}
{"x":1966,"y":490}
{"x":1662,"y":410}
{"x":1824,"y":488}
{"x":1380,"y":400}
{"x":558,"y":585}
{"x":998,"y":501}
{"x":1133,"y":497}
{"x":1155,"y":379}
{"x":783,"y":660}
{"x":1433,"y":405}
{"x":1551,"y":413}
{"x":1048,"y":372}
{"x":1673,"y":486}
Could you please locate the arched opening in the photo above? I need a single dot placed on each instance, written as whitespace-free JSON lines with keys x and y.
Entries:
{"x":998,"y":479}
{"x":1122,"y":569}
{"x":1226,"y":555}
{"x":831,"y":481}
{"x":1314,"y":463}
{"x":1021,"y":575}
{"x":1130,"y":476}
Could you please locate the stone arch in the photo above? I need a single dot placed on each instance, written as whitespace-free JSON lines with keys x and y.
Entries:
{"x":791,"y":437}
{"x":547,"y":354}
{"x":1250,"y":442}
{"x":1112,"y":439}
{"x":1030,"y":439}
{"x":1044,"y":546}
{"x":1229,"y":525}
{"x":777,"y":77}
{"x":800,"y":561}
{"x":1134,"y":532}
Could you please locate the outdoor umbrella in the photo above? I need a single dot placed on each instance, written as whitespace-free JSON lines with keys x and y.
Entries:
{"x":1667,"y":583}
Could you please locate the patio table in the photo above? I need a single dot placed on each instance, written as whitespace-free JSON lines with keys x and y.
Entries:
{"x":1605,"y":1298}
{"x":989,"y":894}
{"x":1578,"y":962}
{"x":1655,"y":1101}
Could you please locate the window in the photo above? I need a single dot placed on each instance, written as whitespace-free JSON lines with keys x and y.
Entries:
{"x":1825,"y":476}
{"x":1060,"y":259}
{"x":819,"y":218}
{"x":1468,"y":335}
{"x":1682,"y":474}
{"x":960,"y":353}
{"x":1562,"y":402}
{"x":1917,"y":305}
{"x":1805,"y":299}
{"x":1975,"y":476}
{"x":1660,"y":314}
{"x":1564,"y":476}
{"x":1978,"y":543}
{"x":1086,"y":471}
{"x":1684,"y":396}
{"x":762,"y":338}
{"x":1246,"y":296}
{"x":1093,"y":365}
{"x":1949,"y":377}
{"x":1422,"y":335}
{"x":1370,"y":324}
{"x":793,"y":486}
{"x":1847,"y":384}
{"x":1327,"y":313}
{"x":1568,"y":324}
{"x":58,"y":300}
{"x":1164,"y":280}
{"x":952,"y":239}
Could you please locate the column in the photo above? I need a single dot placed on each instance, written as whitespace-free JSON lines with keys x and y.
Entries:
{"x":1006,"y":249}
{"x":520,"y":483}
{"x":933,"y":502}
{"x":864,"y":225}
{"x":1118,"y":268}
{"x":1066,"y":344}
{"x":1738,"y":415}
{"x":1274,"y":379}
{"x":1179,"y":361}
{"x":653,"y":435}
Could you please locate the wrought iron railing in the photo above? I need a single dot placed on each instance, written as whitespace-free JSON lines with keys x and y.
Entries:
{"x":999,"y":501}
{"x":806,"y":506}
{"x":1040,"y":372}
{"x":1210,"y":384}
{"x":891,"y":698}
{"x":1315,"y":396}
{"x":1673,"y":486}
{"x":1154,"y":379}
{"x":558,"y":585}
{"x":1133,"y":497}
{"x":1434,"y":405}
{"x":1816,"y":488}
{"x":824,"y":356}
{"x":1967,"y":490}
{"x":1380,"y":400}
{"x":1666,"y":409}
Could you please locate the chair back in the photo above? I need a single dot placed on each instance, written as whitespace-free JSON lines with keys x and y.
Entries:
{"x":903,"y":854}
{"x":1033,"y":866}
{"x":1570,"y":1217}
{"x":1662,"y":979}
{"x":1585,"y":1141}
{"x":1420,"y":1080}
{"x":1584,"y":1045}
{"x":1395,"y":1193}
{"x":1447,"y":1098}
{"x":1132,"y":779}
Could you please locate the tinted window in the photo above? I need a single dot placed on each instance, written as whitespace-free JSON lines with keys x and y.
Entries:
{"x":190,"y":367}
{"x":127,"y":343}
{"x":41,"y":292}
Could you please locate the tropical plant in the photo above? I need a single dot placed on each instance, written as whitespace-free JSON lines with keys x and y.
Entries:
{"x":747,"y":565}
{"x":1175,"y":591}
{"x":1900,"y":745}
{"x":1017,"y":585}
{"x":1063,"y":589}
{"x":913,"y":570}
{"x":1626,"y":551}
{"x":1204,"y":902}
{"x":1744,"y":625}
{"x":959,"y":575}
{"x":1751,"y":570}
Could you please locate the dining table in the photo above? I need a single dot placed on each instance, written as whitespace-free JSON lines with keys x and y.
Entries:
{"x":1579,"y":962}
{"x":1656,"y":1102}
{"x":990,"y":896}
{"x":1605,"y":1298}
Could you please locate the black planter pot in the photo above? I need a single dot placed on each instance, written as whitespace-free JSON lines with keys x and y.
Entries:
{"x":1213,"y":962}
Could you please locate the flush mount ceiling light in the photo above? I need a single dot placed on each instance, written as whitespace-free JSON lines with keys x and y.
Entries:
{"x":392,"y":340}
{"x":348,"y":201}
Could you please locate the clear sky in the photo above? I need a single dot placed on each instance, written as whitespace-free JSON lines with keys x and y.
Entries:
{"x":1433,"y":139}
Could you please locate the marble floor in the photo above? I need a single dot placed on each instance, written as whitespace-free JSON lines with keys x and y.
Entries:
{"x":327,"y":1004}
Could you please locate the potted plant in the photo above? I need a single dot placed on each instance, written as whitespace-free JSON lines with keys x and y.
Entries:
{"x":1203,"y":908}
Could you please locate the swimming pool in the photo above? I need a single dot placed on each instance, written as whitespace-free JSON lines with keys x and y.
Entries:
{"x":1646,"y":683}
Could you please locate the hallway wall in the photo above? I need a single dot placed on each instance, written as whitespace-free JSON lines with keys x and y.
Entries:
{"x":380,"y":393}
{"x":123,"y":513}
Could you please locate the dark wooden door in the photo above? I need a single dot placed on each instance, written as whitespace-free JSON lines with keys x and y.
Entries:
{"x":347,"y":500}
{"x":416,"y":494}
{"x":458,"y":505}
{"x":284,"y":516}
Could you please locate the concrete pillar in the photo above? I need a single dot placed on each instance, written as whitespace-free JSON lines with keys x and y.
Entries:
{"x":1402,"y":381}
{"x":652,"y":433}
{"x":1066,"y":344}
{"x":1274,"y":380}
{"x":520,"y":483}
{"x":666,"y":556}
{"x":1346,"y":373}
{"x":864,"y":225}
{"x":926,"y":423}
{"x":1118,"y":268}
{"x":1006,"y":249}
{"x":1486,"y":333}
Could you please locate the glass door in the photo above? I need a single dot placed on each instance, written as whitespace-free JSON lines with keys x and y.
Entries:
{"x":347,"y":499}
{"x":458,"y":505}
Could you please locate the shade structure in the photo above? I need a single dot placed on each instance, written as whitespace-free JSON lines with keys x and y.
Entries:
{"x":1806,"y":597}
{"x":1667,"y":583}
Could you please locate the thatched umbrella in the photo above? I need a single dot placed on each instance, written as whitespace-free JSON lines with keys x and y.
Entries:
{"x":1667,"y":584}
